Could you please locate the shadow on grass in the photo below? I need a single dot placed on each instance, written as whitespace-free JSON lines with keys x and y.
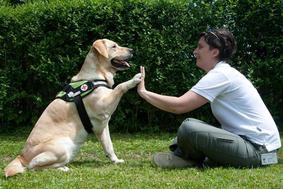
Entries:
{"x":89,"y":163}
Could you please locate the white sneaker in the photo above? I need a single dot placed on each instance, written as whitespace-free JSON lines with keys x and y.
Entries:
{"x":169,"y":160}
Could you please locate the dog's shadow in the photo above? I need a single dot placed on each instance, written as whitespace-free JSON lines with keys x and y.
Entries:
{"x":89,"y":163}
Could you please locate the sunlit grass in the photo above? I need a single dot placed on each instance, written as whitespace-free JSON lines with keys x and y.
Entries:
{"x":91,"y":169}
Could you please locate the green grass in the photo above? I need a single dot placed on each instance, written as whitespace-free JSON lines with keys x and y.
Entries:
{"x":91,"y":169}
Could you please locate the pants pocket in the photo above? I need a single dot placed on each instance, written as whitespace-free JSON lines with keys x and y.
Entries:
{"x":224,"y":140}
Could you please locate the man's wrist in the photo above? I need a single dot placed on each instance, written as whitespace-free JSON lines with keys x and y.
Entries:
{"x":142,"y":93}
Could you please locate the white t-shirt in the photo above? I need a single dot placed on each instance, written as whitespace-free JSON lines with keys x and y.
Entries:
{"x":238,"y":107}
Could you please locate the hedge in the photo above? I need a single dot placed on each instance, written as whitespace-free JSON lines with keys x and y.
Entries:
{"x":44,"y":43}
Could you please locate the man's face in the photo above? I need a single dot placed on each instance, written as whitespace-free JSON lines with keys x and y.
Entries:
{"x":204,"y":55}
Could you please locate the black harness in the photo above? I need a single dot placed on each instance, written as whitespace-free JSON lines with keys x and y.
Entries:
{"x":75,"y":92}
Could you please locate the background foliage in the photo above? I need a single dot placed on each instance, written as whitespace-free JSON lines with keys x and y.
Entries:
{"x":44,"y":43}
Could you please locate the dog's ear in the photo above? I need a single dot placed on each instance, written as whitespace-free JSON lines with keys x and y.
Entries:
{"x":100,"y":46}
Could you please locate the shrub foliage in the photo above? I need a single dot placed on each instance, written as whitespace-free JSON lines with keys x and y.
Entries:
{"x":44,"y":43}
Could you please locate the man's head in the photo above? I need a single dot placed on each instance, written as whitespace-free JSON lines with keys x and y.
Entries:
{"x":223,"y":40}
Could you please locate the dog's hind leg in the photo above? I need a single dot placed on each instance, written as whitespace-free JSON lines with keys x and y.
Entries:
{"x":47,"y":160}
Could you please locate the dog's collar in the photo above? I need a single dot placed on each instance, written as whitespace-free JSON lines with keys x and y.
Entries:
{"x":100,"y":82}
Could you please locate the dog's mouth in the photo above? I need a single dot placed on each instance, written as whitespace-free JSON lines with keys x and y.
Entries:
{"x":120,"y":64}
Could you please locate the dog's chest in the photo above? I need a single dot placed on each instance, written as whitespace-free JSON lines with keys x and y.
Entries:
{"x":72,"y":146}
{"x":80,"y":137}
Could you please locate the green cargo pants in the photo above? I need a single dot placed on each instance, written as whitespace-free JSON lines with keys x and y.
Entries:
{"x":199,"y":141}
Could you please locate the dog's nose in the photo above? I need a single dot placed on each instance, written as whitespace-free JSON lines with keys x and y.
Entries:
{"x":131,"y":51}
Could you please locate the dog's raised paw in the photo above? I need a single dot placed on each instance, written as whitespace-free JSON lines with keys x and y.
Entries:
{"x":137,"y":78}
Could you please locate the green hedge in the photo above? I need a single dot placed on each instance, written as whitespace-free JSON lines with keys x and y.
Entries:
{"x":44,"y":43}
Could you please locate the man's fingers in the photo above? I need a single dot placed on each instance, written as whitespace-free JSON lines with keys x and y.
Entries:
{"x":142,"y":70}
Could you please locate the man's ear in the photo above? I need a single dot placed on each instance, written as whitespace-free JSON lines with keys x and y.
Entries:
{"x":100,"y":46}
{"x":215,"y":52}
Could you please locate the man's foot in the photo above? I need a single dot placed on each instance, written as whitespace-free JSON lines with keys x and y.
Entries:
{"x":169,"y":160}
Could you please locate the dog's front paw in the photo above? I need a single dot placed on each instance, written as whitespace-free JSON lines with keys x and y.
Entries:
{"x":118,"y":161}
{"x":137,"y":78}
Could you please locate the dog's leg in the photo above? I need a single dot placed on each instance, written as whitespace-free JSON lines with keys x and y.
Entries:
{"x":122,"y":88}
{"x":125,"y":86}
{"x":46,"y":160}
{"x":107,"y":145}
{"x":113,"y":99}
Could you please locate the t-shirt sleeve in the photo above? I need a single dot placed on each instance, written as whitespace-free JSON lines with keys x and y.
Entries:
{"x":211,"y":85}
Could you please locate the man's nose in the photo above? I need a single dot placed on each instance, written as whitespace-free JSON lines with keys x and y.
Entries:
{"x":195,"y":53}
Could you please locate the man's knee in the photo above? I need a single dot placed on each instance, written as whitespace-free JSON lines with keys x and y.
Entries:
{"x":186,"y":131}
{"x":189,"y":126}
{"x":187,"y":139}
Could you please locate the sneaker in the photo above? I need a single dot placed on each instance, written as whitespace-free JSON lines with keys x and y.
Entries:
{"x":169,"y":160}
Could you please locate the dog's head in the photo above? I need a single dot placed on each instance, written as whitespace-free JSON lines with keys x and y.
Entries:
{"x":116,"y":56}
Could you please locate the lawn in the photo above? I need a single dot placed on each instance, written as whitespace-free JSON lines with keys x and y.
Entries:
{"x":91,"y":169}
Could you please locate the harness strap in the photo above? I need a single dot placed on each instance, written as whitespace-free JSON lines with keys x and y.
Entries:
{"x":83,"y":114}
{"x":74,"y":92}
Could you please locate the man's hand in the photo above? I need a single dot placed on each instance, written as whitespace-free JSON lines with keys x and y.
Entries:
{"x":141,"y":86}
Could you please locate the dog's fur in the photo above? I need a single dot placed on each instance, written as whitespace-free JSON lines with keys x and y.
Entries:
{"x":59,"y":133}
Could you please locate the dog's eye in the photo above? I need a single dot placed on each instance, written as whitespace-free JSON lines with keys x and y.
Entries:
{"x":114,"y":46}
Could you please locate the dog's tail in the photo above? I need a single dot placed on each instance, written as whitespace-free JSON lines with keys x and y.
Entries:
{"x":14,"y":167}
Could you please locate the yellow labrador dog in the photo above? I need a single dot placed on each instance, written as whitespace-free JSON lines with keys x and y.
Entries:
{"x":59,"y":132}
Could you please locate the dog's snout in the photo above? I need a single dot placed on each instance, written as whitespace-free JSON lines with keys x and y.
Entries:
{"x":131,"y":51}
